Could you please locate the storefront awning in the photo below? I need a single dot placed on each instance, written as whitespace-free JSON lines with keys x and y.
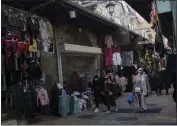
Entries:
{"x":143,"y":7}
{"x":59,"y":9}
{"x":71,"y":48}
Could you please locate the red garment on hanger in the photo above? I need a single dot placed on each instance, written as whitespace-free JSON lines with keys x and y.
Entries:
{"x":117,"y":50}
{"x":108,"y":56}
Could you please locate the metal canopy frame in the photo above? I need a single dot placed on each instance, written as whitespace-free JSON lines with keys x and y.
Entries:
{"x":97,"y":17}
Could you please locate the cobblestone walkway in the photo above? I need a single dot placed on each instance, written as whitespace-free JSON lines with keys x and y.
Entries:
{"x":166,"y":116}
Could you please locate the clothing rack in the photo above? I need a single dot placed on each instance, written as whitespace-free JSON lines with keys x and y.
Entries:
{"x":24,"y":12}
{"x":25,"y":84}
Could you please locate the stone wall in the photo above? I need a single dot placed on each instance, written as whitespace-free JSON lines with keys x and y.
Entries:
{"x":65,"y":33}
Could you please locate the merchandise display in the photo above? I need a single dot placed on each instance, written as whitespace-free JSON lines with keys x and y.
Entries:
{"x":24,"y":37}
{"x":23,"y":41}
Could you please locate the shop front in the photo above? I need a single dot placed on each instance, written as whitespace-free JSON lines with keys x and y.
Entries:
{"x":78,"y":58}
{"x":81,"y":59}
{"x":122,"y":54}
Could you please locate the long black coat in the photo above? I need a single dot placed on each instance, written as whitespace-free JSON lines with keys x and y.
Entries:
{"x":98,"y":84}
{"x":156,"y":80}
{"x":164,"y":79}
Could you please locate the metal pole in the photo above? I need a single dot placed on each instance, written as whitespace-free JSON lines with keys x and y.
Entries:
{"x":174,"y":8}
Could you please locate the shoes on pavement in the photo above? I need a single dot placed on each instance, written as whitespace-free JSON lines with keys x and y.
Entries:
{"x":96,"y":110}
{"x":116,"y":109}
{"x":141,"y":110}
{"x":107,"y":112}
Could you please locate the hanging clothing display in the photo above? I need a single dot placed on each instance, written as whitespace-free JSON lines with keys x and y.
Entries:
{"x":22,"y":39}
{"x":108,"y":41}
{"x":46,"y":34}
{"x":159,"y":44}
{"x":108,"y":57}
{"x":32,"y":28}
{"x":22,"y":45}
{"x":25,"y":99}
{"x":127,"y":58}
{"x":117,"y":60}
{"x":153,"y":15}
{"x":42,"y":97}
{"x":22,"y":99}
{"x":33,"y":47}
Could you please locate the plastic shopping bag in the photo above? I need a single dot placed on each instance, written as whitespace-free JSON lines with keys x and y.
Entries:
{"x":131,"y":98}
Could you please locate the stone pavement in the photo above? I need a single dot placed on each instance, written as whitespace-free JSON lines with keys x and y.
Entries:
{"x":166,"y":116}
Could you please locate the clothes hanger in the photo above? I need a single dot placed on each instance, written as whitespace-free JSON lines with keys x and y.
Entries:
{"x":59,"y":86}
{"x":10,"y":9}
{"x":9,"y":33}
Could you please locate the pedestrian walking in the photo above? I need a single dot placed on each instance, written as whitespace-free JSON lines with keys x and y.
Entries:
{"x":110,"y":94}
{"x":164,"y":82}
{"x":140,"y":89}
{"x":118,"y":87}
{"x":98,"y":84}
{"x":157,"y":82}
{"x":149,"y":91}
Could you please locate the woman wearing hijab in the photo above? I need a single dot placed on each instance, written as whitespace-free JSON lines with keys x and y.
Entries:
{"x":140,"y":89}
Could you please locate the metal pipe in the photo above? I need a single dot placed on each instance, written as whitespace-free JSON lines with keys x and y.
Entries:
{"x":44,"y":4}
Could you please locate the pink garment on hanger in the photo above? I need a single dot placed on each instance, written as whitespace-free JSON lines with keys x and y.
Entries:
{"x":123,"y":81}
{"x":42,"y":97}
{"x":117,"y":79}
{"x":108,"y":57}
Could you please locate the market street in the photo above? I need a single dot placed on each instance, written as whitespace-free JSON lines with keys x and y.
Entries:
{"x":75,"y":62}
{"x":166,"y":116}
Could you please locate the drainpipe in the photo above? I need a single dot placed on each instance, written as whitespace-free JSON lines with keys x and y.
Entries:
{"x":58,"y":58}
{"x":59,"y":63}
{"x":174,"y":6}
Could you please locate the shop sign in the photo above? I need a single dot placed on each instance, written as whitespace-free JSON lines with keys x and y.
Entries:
{"x":163,"y":6}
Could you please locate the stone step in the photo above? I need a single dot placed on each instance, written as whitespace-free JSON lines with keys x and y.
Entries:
{"x":9,"y":122}
{"x":4,"y":116}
